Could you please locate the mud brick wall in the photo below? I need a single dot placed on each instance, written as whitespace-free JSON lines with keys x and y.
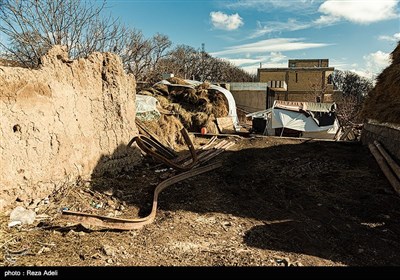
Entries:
{"x":65,"y":120}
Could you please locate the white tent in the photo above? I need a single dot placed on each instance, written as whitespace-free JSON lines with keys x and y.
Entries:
{"x":315,"y":120}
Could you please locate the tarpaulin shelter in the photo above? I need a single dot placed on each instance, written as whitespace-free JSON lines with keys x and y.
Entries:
{"x":314,"y":120}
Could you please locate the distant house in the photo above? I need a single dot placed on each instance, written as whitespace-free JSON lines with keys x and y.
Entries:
{"x":307,"y":80}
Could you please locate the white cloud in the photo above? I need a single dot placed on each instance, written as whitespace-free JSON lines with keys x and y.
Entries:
{"x":394,"y":38}
{"x":326,"y":20}
{"x":377,"y":61}
{"x":363,"y":73}
{"x":358,"y":11}
{"x":250,"y":65}
{"x":276,"y":26}
{"x":277,"y":57}
{"x":223,"y":21}
{"x":270,"y":45}
{"x":273,"y":57}
{"x":242,"y":61}
{"x":306,"y":6}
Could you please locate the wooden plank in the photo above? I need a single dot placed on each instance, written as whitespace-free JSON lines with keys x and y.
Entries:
{"x":225,"y":125}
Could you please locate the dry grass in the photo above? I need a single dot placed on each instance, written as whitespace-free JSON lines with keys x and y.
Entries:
{"x":383,"y":102}
{"x":192,"y":108}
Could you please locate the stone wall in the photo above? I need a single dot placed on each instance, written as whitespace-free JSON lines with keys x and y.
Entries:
{"x":387,"y":134}
{"x":65,"y":120}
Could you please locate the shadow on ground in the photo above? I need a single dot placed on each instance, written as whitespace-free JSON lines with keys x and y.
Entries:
{"x":324,"y":199}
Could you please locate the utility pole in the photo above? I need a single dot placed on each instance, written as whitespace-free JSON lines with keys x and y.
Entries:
{"x":202,"y":61}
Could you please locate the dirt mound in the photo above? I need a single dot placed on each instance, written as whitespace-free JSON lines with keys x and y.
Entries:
{"x":383,"y":102}
{"x":185,"y":105}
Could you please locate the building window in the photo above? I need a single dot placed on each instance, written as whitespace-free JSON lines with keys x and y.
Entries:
{"x":292,"y":64}
{"x":330,"y":79}
{"x":318,"y":99}
{"x":297,"y":77}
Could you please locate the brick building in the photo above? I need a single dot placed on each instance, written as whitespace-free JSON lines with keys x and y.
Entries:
{"x":306,"y":80}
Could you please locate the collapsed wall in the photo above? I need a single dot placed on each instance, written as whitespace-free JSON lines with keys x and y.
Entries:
{"x":65,"y":120}
{"x":382,"y":108}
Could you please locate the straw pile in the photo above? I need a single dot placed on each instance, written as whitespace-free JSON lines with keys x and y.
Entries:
{"x":383,"y":102}
{"x":192,"y":108}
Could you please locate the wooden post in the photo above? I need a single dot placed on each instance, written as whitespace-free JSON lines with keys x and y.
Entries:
{"x":390,"y":161}
{"x":385,"y":168}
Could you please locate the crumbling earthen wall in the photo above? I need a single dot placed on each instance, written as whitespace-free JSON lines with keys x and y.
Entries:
{"x":65,"y":120}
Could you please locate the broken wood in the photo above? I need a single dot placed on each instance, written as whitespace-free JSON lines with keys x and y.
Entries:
{"x":225,"y":125}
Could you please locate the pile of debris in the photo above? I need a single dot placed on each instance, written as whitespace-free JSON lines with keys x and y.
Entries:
{"x":194,"y":106}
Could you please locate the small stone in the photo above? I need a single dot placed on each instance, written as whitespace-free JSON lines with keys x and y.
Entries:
{"x":110,"y":261}
{"x":109,"y":192}
{"x":121,"y":208}
{"x":108,"y":250}
{"x":44,"y":250}
{"x":111,"y":203}
{"x":360,"y":251}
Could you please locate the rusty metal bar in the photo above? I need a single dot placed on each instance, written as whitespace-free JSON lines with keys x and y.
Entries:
{"x":130,"y":224}
{"x":166,"y":150}
{"x":152,"y":148}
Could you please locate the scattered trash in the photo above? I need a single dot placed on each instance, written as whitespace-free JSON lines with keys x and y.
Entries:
{"x":161,"y":170}
{"x":14,"y":223}
{"x":21,"y":215}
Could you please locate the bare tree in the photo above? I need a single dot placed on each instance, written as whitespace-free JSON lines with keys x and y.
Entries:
{"x":317,"y":91}
{"x":141,"y":55}
{"x":351,"y":90}
{"x":187,"y":62}
{"x":31,"y":27}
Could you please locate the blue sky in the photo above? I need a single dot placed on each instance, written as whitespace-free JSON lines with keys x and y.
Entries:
{"x":355,"y":35}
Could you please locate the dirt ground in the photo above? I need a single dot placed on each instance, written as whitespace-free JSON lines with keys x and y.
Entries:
{"x":275,"y":202}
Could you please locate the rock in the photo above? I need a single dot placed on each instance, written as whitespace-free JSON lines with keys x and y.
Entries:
{"x":25,"y":216}
{"x":108,"y":250}
{"x":121,"y":208}
{"x":109,"y":192}
{"x":109,"y":261}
